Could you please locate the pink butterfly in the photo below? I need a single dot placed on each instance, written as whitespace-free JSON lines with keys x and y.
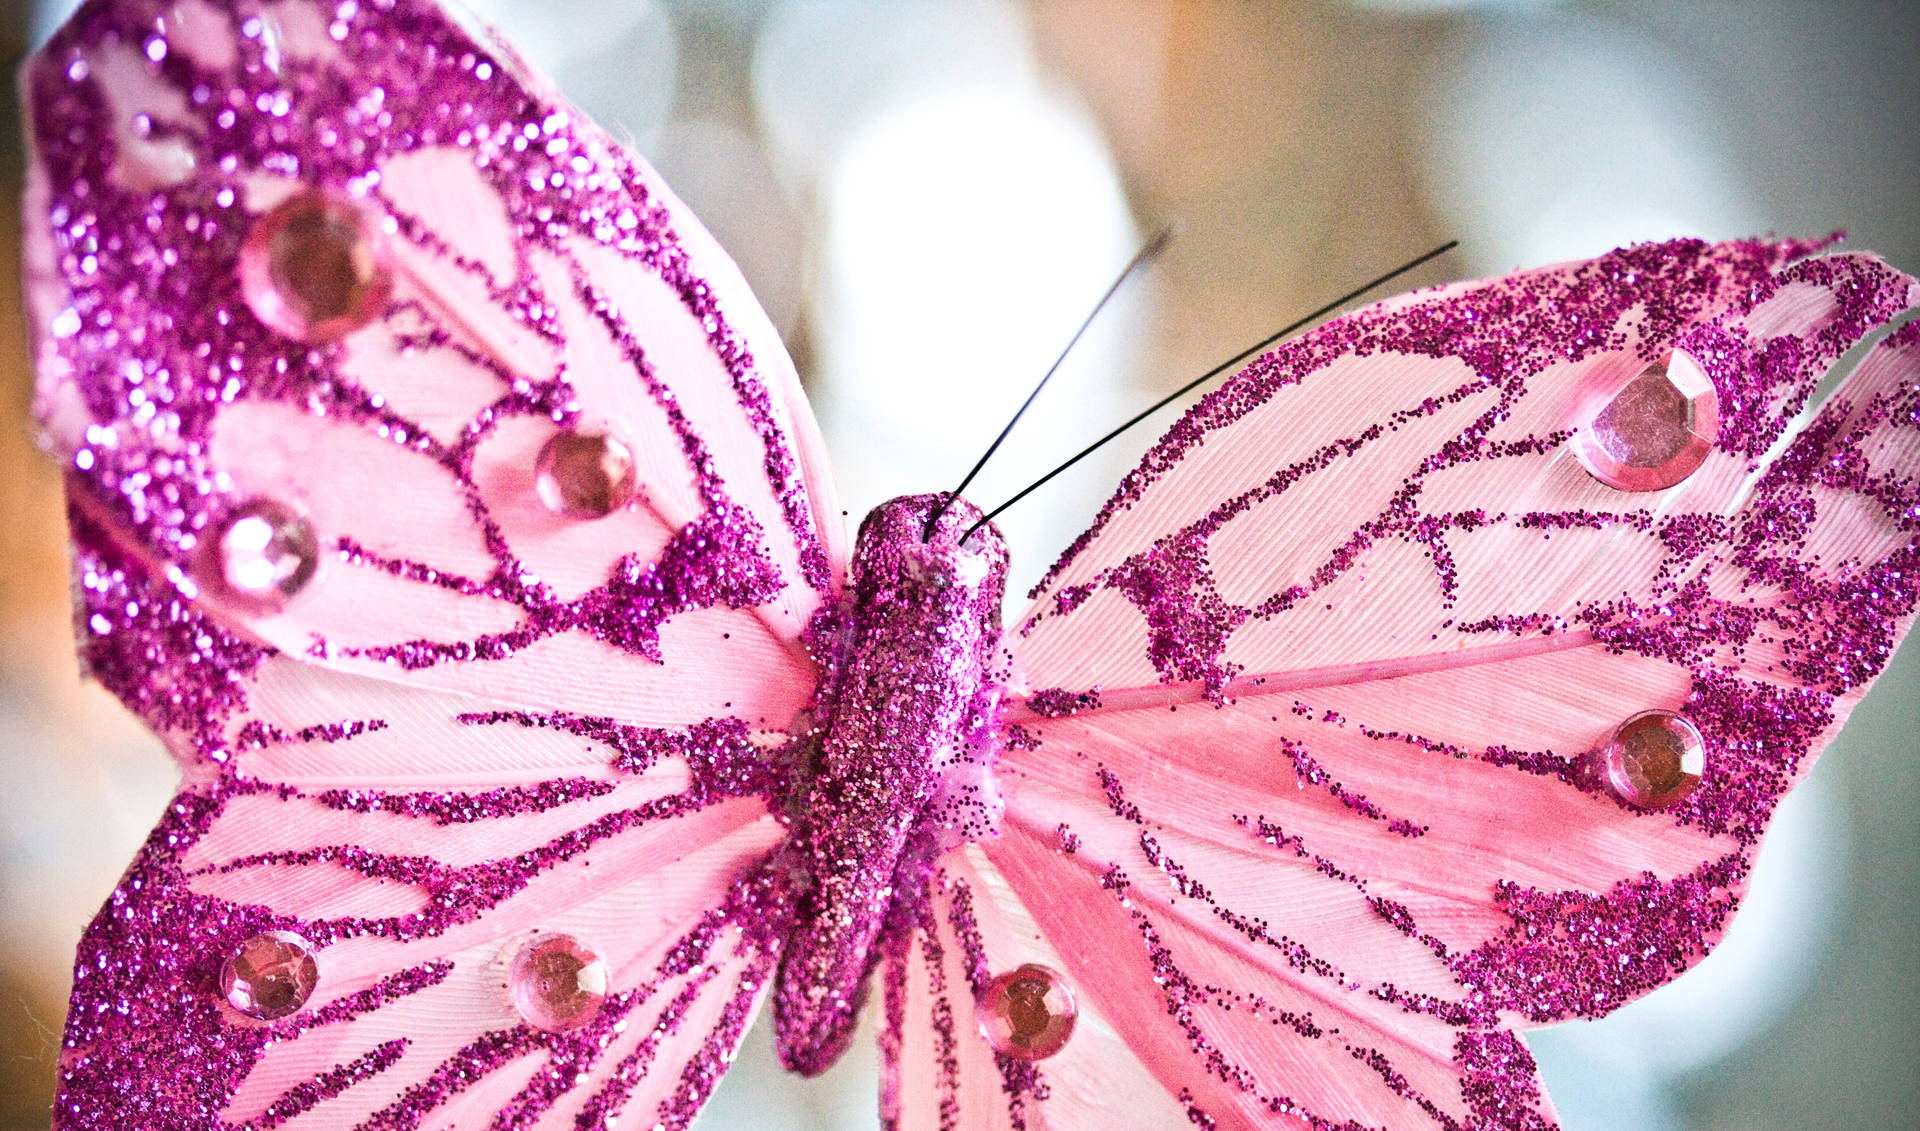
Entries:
{"x":443,"y":499}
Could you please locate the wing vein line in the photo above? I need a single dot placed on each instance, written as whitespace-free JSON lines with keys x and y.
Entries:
{"x":1333,"y":675}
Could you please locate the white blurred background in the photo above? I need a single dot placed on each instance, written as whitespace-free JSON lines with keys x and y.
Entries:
{"x":928,"y":194}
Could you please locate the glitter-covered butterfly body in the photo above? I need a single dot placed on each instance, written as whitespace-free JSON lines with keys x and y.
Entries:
{"x":444,"y":500}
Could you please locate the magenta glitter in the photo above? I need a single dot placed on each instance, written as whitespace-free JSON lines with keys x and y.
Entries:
{"x":1286,"y":777}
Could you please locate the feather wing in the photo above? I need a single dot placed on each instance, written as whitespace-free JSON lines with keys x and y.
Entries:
{"x":1303,"y":791}
{"x":480,"y":720}
{"x":417,"y":840}
{"x":541,"y":278}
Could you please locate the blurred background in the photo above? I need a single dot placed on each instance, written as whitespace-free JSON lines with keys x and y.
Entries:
{"x":927,"y":195}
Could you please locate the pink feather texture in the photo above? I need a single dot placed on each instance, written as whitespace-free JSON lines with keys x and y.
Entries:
{"x":1289,"y":775}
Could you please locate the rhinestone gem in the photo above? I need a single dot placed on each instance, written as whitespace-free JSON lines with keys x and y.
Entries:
{"x":270,"y":976}
{"x":314,"y":268}
{"x":1027,"y":1013}
{"x":1655,"y":431}
{"x":557,"y":983}
{"x":1655,"y":759}
{"x":268,"y":551}
{"x":584,"y":474}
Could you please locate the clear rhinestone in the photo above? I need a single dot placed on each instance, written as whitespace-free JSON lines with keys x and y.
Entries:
{"x":270,"y":976}
{"x":1027,"y":1013}
{"x":584,"y":474}
{"x":314,"y":268}
{"x":1656,"y":430}
{"x":268,"y":551}
{"x":557,"y":983}
{"x":1655,"y":759}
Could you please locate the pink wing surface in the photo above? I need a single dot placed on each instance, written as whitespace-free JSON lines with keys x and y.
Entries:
{"x":324,"y":296}
{"x":1307,"y":791}
{"x":939,"y":1073}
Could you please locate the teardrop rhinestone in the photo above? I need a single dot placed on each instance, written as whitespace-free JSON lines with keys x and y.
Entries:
{"x":270,"y":976}
{"x":267,"y":551}
{"x":1027,"y":1013}
{"x":557,"y":983}
{"x":584,"y":474}
{"x":1655,"y":431}
{"x":315,"y":269}
{"x":1655,"y":759}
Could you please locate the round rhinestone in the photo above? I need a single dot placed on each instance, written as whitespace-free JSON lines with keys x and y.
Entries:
{"x":268,"y":551}
{"x":1655,"y":759}
{"x":1656,"y":430}
{"x":314,"y":268}
{"x":584,"y":474}
{"x":270,"y":976}
{"x":557,"y":983}
{"x":1027,"y":1013}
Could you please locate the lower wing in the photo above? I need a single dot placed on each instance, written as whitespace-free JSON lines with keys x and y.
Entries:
{"x":414,"y":844}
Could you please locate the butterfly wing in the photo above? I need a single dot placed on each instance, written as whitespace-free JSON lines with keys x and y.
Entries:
{"x":479,"y":718}
{"x":541,"y":278}
{"x":1301,"y":792}
{"x":352,"y":813}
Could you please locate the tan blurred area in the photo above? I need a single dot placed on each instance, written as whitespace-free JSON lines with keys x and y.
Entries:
{"x":1294,"y":140}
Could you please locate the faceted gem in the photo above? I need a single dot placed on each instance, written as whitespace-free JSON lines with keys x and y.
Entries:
{"x":557,"y":983}
{"x":584,"y":474}
{"x":267,"y":551}
{"x":1655,"y":431}
{"x":1027,"y":1013}
{"x":315,"y":269}
{"x":270,"y":976}
{"x":1655,"y":759}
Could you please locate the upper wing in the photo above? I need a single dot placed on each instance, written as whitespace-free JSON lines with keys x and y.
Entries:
{"x":314,"y":287}
{"x":537,"y":279}
{"x":1304,"y":792}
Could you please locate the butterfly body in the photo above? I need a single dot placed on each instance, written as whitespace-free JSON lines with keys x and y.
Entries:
{"x":913,"y":689}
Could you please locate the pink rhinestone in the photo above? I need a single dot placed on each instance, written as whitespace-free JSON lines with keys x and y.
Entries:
{"x":1027,"y":1013}
{"x":1655,"y":759}
{"x":270,"y":976}
{"x":1655,"y":431}
{"x":584,"y":474}
{"x":267,"y":550}
{"x":314,"y":268}
{"x":557,"y":983}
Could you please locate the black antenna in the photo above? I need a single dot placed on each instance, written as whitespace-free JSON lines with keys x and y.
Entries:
{"x":1210,"y":375}
{"x":1147,"y":252}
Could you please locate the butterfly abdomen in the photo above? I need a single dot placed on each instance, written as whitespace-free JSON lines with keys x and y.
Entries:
{"x":926,"y":617}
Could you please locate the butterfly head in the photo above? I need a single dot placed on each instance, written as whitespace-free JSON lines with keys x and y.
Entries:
{"x":939,"y":559}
